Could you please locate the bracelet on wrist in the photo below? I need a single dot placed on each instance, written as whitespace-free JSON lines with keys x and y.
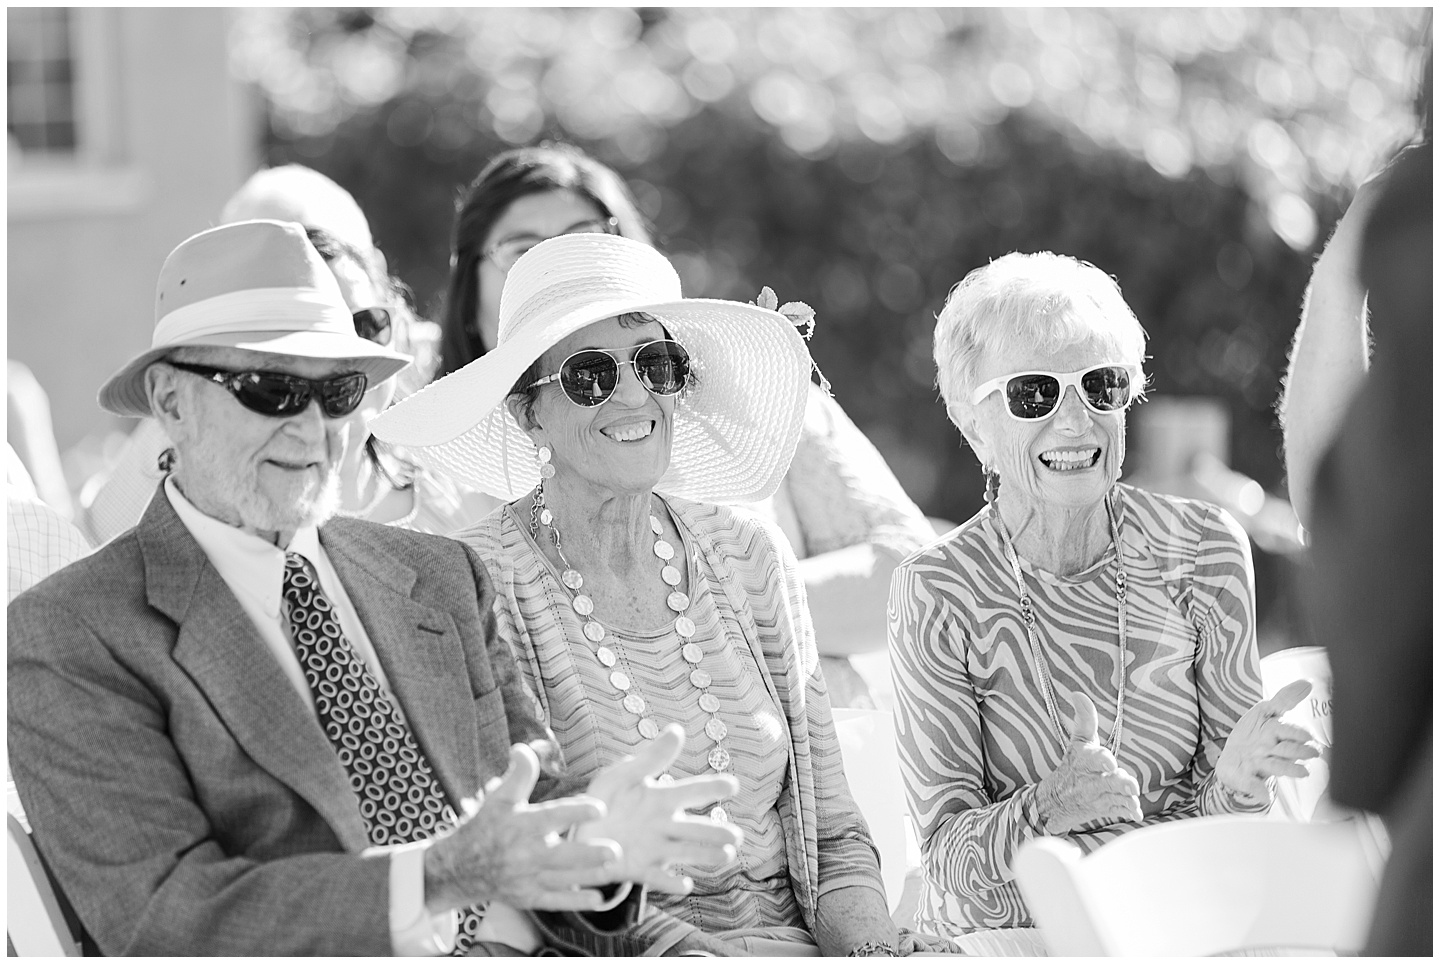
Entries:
{"x":872,"y":949}
{"x":1030,"y":812}
{"x":1238,"y":797}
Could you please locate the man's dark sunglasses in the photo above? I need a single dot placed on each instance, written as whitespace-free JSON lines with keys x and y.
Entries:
{"x":373,"y":324}
{"x":280,"y":395}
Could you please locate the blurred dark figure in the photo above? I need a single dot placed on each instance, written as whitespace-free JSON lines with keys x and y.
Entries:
{"x":1369,"y":588}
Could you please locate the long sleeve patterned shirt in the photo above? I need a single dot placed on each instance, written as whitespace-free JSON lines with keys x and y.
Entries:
{"x":975,"y":737}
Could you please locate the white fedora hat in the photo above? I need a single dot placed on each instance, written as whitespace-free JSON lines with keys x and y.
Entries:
{"x":734,"y":432}
{"x":256,"y":285}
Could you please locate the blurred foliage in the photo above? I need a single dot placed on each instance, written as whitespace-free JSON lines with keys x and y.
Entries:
{"x":865,"y":160}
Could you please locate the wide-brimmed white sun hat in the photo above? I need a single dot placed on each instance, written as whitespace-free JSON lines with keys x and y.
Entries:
{"x":256,"y":285}
{"x":734,"y":431}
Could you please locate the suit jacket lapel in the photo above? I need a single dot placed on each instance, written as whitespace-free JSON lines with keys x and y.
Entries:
{"x":421,"y":652}
{"x":219,"y":647}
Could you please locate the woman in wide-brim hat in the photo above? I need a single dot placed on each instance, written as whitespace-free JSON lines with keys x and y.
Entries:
{"x":614,"y":415}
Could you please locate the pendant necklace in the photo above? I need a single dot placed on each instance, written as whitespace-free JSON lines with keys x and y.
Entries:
{"x":1027,"y":612}
{"x":679,"y":604}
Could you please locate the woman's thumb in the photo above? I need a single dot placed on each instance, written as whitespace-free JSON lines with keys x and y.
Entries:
{"x":1084,"y":725}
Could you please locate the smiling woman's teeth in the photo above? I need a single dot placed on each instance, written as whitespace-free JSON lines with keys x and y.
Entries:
{"x":1067,"y":459}
{"x":629,"y":433}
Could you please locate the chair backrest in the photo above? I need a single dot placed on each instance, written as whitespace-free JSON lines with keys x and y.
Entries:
{"x":872,"y":768}
{"x":35,"y":923}
{"x":1203,"y":886}
{"x":1296,"y":798}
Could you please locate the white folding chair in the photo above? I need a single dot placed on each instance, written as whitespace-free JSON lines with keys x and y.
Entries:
{"x":1204,"y":886}
{"x":872,"y":768}
{"x":35,"y":924}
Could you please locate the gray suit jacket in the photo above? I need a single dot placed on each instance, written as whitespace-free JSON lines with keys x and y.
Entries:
{"x":181,"y":791}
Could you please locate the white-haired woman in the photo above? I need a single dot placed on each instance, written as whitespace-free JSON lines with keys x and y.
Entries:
{"x":617,"y":413}
{"x":1078,"y":658}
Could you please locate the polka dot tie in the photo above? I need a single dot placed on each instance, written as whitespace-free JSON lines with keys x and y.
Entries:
{"x":400,"y":797}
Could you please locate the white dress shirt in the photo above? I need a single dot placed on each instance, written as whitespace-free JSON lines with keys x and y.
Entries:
{"x":255,"y":571}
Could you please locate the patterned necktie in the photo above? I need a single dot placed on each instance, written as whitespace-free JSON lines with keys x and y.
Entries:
{"x":400,"y":796}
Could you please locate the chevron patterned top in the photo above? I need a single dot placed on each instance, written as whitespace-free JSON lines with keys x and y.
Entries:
{"x":803,"y":832}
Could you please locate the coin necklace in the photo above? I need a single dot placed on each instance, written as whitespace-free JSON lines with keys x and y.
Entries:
{"x":1027,"y":612}
{"x":677,"y":601}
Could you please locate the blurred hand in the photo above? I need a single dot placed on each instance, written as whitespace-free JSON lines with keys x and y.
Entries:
{"x":1088,"y":787}
{"x":508,"y":849}
{"x":1261,"y":746}
{"x":912,"y":942}
{"x":646,"y":818}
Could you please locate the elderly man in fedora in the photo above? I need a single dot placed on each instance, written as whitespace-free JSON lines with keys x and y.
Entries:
{"x":243,"y":728}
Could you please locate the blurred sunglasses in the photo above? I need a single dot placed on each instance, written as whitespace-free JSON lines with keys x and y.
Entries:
{"x":504,"y":254}
{"x":279,"y":395}
{"x":1030,"y":396}
{"x":589,"y":376}
{"x":373,"y":324}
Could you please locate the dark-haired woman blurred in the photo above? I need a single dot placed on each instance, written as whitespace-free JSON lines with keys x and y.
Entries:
{"x":842,"y":509}
{"x":518,"y":200}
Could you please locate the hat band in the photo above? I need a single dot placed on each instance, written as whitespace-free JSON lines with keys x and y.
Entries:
{"x":586,"y":291}
{"x":254,"y":309}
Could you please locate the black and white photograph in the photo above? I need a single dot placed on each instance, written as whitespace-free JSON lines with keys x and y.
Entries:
{"x":718,"y":481}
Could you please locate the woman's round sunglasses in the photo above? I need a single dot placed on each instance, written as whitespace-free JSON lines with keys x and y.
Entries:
{"x":590,"y":375}
{"x":1031,"y":396}
{"x":280,"y":395}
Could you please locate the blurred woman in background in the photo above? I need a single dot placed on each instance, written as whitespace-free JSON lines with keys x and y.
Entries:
{"x":377,"y":481}
{"x":518,"y":200}
{"x":842,"y":509}
{"x":1079,"y":658}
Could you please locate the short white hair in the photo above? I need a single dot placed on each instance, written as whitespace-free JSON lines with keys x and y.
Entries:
{"x":1043,"y":301}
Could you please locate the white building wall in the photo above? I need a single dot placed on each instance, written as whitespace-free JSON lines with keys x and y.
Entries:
{"x":172,"y":136}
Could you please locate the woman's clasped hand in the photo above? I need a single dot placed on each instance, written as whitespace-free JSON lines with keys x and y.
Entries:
{"x":1088,"y":788}
{"x":1261,"y":746}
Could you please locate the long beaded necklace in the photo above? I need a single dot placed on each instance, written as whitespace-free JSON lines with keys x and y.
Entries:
{"x":1027,"y":612}
{"x":677,"y":601}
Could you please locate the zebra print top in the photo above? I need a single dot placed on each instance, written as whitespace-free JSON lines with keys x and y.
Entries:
{"x":804,"y":835}
{"x":973,"y":731}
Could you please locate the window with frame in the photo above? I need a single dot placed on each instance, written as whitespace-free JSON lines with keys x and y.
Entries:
{"x":41,"y":93}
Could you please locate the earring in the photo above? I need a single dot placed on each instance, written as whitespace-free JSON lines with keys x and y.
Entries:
{"x":542,"y":458}
{"x":992,"y":484}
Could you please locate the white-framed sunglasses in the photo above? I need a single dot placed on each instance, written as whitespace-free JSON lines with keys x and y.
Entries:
{"x":590,"y":375}
{"x":1035,"y":395}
